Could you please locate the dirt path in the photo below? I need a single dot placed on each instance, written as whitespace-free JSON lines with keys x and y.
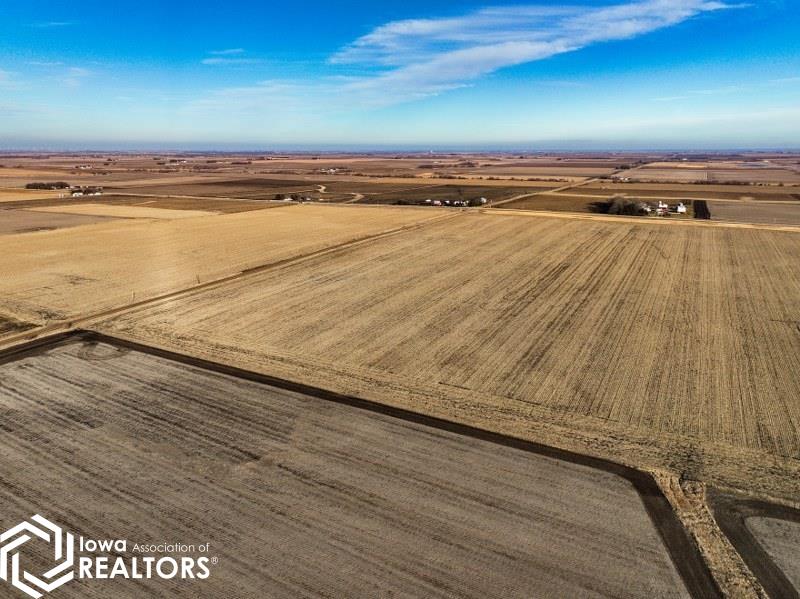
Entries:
{"x":357,"y":197}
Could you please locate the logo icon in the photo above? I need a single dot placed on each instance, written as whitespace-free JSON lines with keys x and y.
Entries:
{"x":13,"y":540}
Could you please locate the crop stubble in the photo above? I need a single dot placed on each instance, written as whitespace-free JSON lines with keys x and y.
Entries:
{"x":690,"y":333}
{"x":62,"y":274}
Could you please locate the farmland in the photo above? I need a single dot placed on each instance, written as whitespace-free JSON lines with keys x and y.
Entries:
{"x":122,"y":211}
{"x":715,"y":171}
{"x":210,"y":204}
{"x":67,"y":272}
{"x":27,"y":221}
{"x":447,"y":193}
{"x":782,"y":541}
{"x":558,"y":202}
{"x":669,"y":346}
{"x":253,"y":189}
{"x":756,"y":212}
{"x":15,"y":195}
{"x":707,"y":318}
{"x":335,"y":489}
{"x":722,"y":192}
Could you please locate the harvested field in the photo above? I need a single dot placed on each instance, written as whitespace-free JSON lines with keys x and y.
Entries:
{"x":12,"y":325}
{"x":32,"y":173}
{"x":761,"y":175}
{"x":124,"y":211}
{"x":676,"y":335}
{"x":766,"y":535}
{"x":556,"y":202}
{"x":556,"y":172}
{"x":27,"y":221}
{"x":686,"y":175}
{"x":219,"y":205}
{"x":339,"y":189}
{"x":334,"y":499}
{"x":447,"y":192}
{"x":712,"y":174}
{"x":721,"y":192}
{"x":257,"y":189}
{"x":756,"y":212}
{"x":781,"y":539}
{"x":16,"y":195}
{"x":62,"y":273}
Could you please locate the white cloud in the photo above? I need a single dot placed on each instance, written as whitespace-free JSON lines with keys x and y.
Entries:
{"x":421,"y":57}
{"x":412,"y":59}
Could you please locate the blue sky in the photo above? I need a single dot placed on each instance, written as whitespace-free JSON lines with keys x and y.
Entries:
{"x":307,"y":74}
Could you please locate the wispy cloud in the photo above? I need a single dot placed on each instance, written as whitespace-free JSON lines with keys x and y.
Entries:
{"x":230,"y":57}
{"x":228,"y":52}
{"x":220,"y":61}
{"x":725,"y":90}
{"x":717,"y":91}
{"x":280,"y":96}
{"x":421,"y":57}
{"x":13,"y":110}
{"x":45,"y":63}
{"x":49,"y":24}
{"x":671,"y":99}
{"x":412,"y":59}
{"x":785,"y":80}
{"x":8,"y":80}
{"x":75,"y":76}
